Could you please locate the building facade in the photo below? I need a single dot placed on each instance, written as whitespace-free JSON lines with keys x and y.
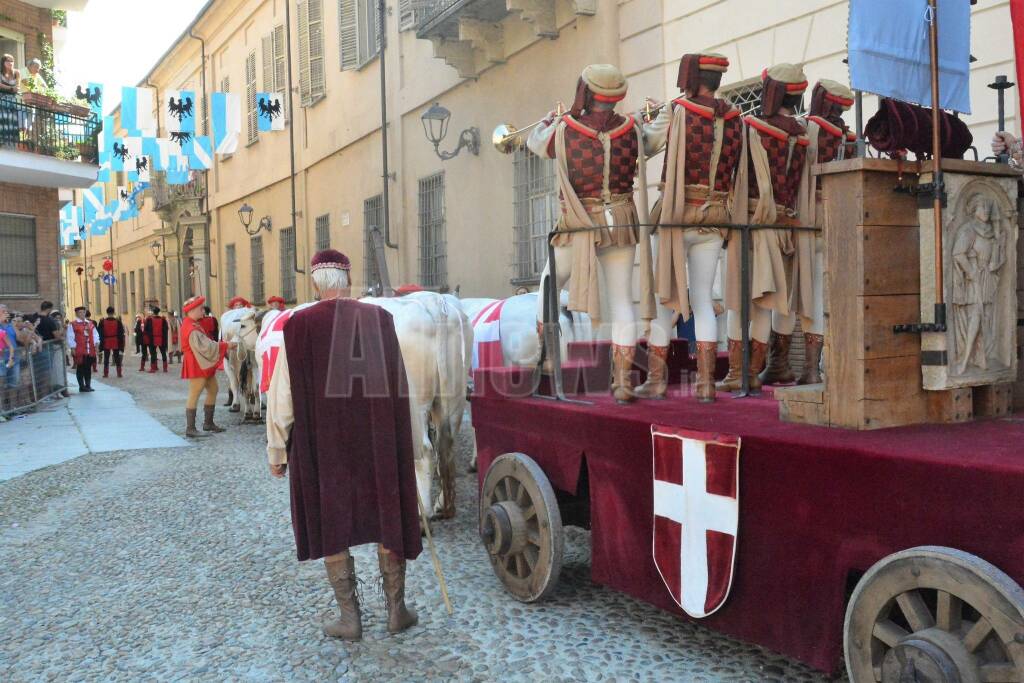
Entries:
{"x":475,"y":222}
{"x":41,"y":151}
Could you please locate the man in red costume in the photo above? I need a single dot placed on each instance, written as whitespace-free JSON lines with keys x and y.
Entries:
{"x":338,"y":421}
{"x":158,"y":333}
{"x":83,"y":340}
{"x":208,"y":321}
{"x":111,"y":331}
{"x":830,"y":139}
{"x":703,"y":137}
{"x":200,"y":358}
{"x":768,"y":189}
{"x":239,"y":302}
{"x":276,"y":303}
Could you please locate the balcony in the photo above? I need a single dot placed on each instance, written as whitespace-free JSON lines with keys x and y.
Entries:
{"x":46,"y":144}
{"x":469,"y":36}
{"x":170,"y":201}
{"x":73,"y":5}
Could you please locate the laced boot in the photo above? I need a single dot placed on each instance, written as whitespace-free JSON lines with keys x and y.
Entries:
{"x":622,"y":366}
{"x":707,"y":354}
{"x":812,"y":354}
{"x":190,"y":424}
{"x":341,"y":573}
{"x":208,"y":425}
{"x":758,"y":353}
{"x":392,"y":572}
{"x":733,"y":380}
{"x":656,"y":384}
{"x":778,"y":370}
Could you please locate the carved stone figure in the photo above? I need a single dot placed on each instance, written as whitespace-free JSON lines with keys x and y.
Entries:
{"x":979,"y":254}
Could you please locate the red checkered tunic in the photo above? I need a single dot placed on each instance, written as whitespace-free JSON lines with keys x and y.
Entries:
{"x":830,"y":138}
{"x":585,"y":153}
{"x":700,"y":142}
{"x":775,"y":137}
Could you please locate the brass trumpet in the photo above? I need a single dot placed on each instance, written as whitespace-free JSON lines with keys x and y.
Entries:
{"x":506,"y":138}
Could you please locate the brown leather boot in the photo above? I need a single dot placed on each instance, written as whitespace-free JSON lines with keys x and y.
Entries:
{"x":208,"y":425}
{"x":778,"y":370}
{"x":622,"y":366}
{"x":656,"y":384}
{"x":341,"y":573}
{"x":190,"y":425}
{"x":392,"y":572}
{"x":812,"y":354}
{"x":733,"y":380}
{"x":707,"y":354}
{"x":758,"y":352}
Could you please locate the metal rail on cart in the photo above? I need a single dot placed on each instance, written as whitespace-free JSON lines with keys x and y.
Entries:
{"x":552,"y":329}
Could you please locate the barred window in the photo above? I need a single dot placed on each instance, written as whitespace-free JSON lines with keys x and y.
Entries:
{"x":433,"y":249}
{"x":536,"y":210}
{"x":162,"y":274}
{"x":287,"y":264}
{"x":142,"y":289}
{"x":124,"y":295}
{"x":323,"y":232}
{"x":151,"y":273}
{"x":373,"y":221}
{"x":18,"y":255}
{"x":256,"y":267}
{"x":747,"y":96}
{"x":250,"y":98}
{"x":230,"y":271}
{"x":131,"y":279}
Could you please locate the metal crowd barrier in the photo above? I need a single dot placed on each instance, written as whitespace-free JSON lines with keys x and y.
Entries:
{"x":34,"y":378}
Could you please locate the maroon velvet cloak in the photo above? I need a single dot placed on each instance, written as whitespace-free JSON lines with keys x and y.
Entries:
{"x":350,"y":455}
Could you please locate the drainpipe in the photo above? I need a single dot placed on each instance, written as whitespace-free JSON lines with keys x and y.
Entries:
{"x":382,"y":10}
{"x":206,"y":174}
{"x":291,"y":132}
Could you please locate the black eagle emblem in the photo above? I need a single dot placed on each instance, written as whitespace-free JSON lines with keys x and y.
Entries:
{"x":121,"y":151}
{"x":142,"y":164}
{"x":270,"y":110}
{"x":181,"y":138}
{"x":89,"y":95}
{"x":180,"y":108}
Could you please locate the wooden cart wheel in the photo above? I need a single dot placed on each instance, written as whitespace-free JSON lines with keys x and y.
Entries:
{"x":935,"y":615}
{"x":521,"y":526}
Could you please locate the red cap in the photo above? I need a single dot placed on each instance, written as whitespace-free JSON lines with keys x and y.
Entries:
{"x":275,"y":300}
{"x":194,"y":302}
{"x":407,"y":289}
{"x":239,"y":300}
{"x":330,"y":258}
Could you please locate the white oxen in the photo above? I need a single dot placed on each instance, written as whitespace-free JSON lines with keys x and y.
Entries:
{"x":436,"y":341}
{"x":241,"y":325}
{"x":517,"y":324}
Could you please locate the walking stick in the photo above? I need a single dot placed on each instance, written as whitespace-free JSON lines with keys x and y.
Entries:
{"x":433,"y":555}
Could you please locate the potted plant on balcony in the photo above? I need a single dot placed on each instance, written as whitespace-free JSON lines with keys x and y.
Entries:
{"x":31,"y":96}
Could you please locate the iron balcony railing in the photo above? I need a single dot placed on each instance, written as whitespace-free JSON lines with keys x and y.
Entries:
{"x":164,"y":194}
{"x":52,"y":130}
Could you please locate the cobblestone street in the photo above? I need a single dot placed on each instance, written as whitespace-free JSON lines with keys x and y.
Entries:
{"x":178,"y":564}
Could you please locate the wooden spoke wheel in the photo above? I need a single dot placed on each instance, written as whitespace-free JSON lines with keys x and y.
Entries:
{"x":935,"y":615}
{"x":521,"y":526}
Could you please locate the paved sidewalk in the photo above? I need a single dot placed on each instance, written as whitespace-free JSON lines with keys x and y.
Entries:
{"x":63,"y":429}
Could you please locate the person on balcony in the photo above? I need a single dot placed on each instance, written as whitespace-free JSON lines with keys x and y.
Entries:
{"x":9,"y":78}
{"x":34,"y":82}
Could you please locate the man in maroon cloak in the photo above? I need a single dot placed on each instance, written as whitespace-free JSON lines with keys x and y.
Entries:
{"x":338,"y":421}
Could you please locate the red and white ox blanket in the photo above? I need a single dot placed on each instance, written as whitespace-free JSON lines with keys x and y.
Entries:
{"x":487,"y":351}
{"x":696,"y":515}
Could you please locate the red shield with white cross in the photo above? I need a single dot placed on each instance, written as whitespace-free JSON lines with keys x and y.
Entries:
{"x":696,"y":515}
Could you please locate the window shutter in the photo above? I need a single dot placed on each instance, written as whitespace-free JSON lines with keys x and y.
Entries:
{"x":348,"y":29}
{"x":406,"y":15}
{"x":281,"y":67}
{"x":377,"y":29}
{"x":304,"y":85}
{"x":317,"y":84}
{"x":250,"y":97}
{"x":268,"y":63}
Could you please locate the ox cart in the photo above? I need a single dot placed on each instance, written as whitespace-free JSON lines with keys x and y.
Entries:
{"x":872,"y":519}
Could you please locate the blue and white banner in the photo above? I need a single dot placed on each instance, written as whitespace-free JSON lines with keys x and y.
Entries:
{"x":101,"y":226}
{"x":92,"y":97}
{"x":103,"y":142}
{"x":93,"y":203}
{"x":226,"y":110}
{"x":138,"y":162}
{"x":200,"y":153}
{"x":137,"y":111}
{"x":890,"y":55}
{"x":180,"y":110}
{"x":177,"y":170}
{"x":270,"y":111}
{"x":70,"y":223}
{"x":120,"y":159}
